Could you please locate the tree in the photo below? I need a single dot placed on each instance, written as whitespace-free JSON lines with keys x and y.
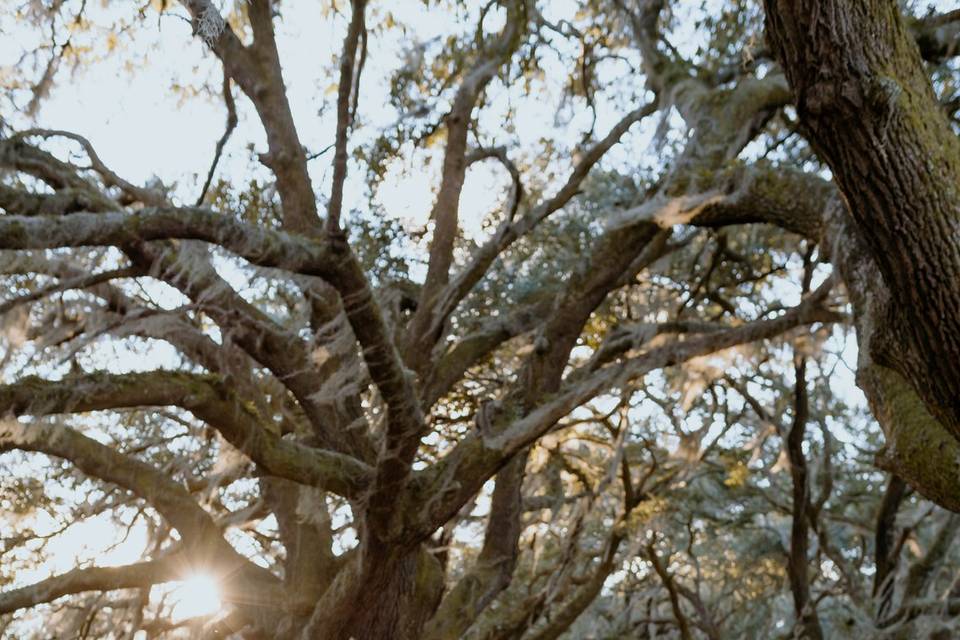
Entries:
{"x":591,"y":416}
{"x":895,"y":177}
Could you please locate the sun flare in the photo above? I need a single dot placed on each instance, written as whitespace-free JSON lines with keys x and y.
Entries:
{"x":198,"y":595}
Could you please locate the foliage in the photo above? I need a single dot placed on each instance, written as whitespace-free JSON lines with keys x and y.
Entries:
{"x":557,"y":395}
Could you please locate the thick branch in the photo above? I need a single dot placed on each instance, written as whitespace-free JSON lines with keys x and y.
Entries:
{"x":257,"y":72}
{"x":446,"y":208}
{"x":476,"y":458}
{"x":208,"y":400}
{"x":170,"y":499}
{"x":142,"y":574}
{"x":260,"y":246}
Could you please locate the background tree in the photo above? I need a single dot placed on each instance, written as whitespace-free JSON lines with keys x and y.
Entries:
{"x":609,"y":395}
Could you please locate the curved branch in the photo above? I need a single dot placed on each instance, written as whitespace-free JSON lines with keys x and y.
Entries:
{"x":170,"y":499}
{"x":133,"y":576}
{"x":131,"y":192}
{"x":512,"y":230}
{"x":464,"y":470}
{"x":206,"y":398}
{"x":73,"y":192}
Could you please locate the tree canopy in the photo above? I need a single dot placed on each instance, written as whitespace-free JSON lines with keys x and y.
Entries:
{"x":502,"y":320}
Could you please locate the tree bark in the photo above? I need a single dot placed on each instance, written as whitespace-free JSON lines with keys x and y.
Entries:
{"x":384,"y":593}
{"x":798,"y":564}
{"x":885,"y":548}
{"x":866,"y":104}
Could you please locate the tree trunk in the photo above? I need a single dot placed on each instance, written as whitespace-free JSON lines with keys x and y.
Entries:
{"x":383,"y":594}
{"x":866,"y":104}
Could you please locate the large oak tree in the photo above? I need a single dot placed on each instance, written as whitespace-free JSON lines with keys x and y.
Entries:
{"x":592,"y":414}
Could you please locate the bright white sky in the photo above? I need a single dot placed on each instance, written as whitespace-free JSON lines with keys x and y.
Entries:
{"x":143,"y":128}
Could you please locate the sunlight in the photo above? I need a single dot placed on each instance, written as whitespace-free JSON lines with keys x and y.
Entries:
{"x":97,"y":539}
{"x":198,"y":595}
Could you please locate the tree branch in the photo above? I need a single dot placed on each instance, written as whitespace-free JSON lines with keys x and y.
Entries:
{"x":206,"y":398}
{"x":258,"y":73}
{"x":445,"y":487}
{"x":512,"y":230}
{"x":348,"y":68}
{"x":493,"y":570}
{"x":170,"y":499}
{"x":221,"y":143}
{"x":139,"y":575}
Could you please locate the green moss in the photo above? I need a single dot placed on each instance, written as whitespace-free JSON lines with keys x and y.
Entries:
{"x":918,"y":447}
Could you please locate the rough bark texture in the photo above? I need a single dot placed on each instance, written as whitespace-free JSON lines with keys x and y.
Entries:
{"x":866,"y":103}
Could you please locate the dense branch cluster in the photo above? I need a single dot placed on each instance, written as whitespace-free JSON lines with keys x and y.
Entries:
{"x":599,"y":413}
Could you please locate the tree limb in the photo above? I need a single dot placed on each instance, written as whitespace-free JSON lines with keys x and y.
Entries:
{"x":208,"y":400}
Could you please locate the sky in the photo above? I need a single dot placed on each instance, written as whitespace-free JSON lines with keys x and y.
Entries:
{"x":144,"y":120}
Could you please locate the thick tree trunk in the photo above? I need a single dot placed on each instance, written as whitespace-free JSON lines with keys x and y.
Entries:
{"x":918,"y":447}
{"x":867,"y":105}
{"x":388,"y":594}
